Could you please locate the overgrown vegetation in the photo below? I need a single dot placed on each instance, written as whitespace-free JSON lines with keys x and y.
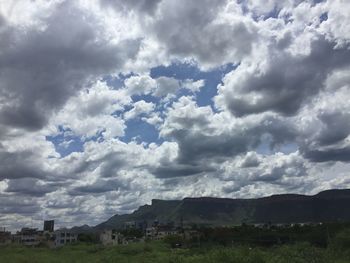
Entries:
{"x":317,"y":244}
{"x":318,"y":235}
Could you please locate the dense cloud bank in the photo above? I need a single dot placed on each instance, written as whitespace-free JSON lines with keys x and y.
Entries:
{"x":107,"y":104}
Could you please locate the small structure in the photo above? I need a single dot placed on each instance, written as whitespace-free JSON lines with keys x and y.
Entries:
{"x":64,"y":236}
{"x":5,"y":237}
{"x":110,"y":238}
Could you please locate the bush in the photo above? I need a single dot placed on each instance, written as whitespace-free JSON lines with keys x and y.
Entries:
{"x":342,"y":240}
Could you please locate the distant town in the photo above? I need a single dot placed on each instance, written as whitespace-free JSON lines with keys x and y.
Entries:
{"x":132,"y":232}
{"x":32,"y":237}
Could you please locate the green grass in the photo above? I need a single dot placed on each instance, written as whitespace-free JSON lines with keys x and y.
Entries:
{"x":160,"y":252}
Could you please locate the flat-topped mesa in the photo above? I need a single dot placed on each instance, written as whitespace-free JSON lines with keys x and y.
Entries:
{"x":334,"y":193}
{"x":285,"y":197}
{"x":327,"y":206}
{"x":157,"y":201}
{"x":160,"y":202}
{"x":210,"y":200}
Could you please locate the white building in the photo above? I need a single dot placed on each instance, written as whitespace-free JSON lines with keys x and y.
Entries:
{"x":63,"y":237}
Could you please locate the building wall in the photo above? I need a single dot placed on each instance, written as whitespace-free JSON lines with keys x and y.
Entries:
{"x":109,"y":237}
{"x":65,"y":237}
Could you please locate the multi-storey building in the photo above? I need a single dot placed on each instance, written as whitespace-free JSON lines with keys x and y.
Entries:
{"x":64,"y":236}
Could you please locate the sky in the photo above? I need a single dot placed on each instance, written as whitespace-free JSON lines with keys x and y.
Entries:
{"x":108,"y":104}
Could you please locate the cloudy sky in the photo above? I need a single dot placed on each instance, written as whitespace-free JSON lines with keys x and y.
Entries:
{"x":107,"y":104}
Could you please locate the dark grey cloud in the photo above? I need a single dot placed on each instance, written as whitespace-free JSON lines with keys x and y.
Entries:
{"x":109,"y":163}
{"x":18,"y":205}
{"x":328,"y":142}
{"x":250,"y":160}
{"x":196,"y":146}
{"x":20,"y":165}
{"x":178,"y":170}
{"x":288,"y":82}
{"x":328,"y":134}
{"x":334,"y":154}
{"x":41,"y":68}
{"x":112,"y":164}
{"x":29,"y":186}
{"x":101,"y":186}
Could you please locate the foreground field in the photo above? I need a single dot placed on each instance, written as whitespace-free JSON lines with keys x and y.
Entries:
{"x":159,"y":252}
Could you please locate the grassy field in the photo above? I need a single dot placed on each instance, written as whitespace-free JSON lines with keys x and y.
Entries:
{"x":160,"y":252}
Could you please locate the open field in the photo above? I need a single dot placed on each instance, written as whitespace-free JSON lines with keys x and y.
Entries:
{"x":160,"y":252}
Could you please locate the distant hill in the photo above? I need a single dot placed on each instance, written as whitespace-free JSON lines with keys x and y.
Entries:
{"x":330,"y":205}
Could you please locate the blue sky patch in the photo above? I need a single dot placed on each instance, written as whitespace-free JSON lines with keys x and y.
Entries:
{"x":66,"y":144}
{"x":183,"y":71}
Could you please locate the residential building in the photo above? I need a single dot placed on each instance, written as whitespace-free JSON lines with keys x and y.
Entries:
{"x":64,"y":236}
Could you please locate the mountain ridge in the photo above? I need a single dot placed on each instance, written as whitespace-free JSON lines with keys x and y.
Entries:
{"x":328,"y":205}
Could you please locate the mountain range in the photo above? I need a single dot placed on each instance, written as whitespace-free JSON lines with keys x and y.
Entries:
{"x":326,"y":206}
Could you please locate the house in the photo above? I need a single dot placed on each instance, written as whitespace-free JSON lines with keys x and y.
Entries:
{"x":64,"y":236}
{"x":110,"y":238}
{"x":5,"y":237}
